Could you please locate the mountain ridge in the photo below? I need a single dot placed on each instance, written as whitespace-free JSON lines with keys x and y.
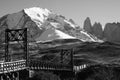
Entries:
{"x":38,"y":20}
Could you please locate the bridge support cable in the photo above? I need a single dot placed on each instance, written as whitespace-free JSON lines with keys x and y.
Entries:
{"x":52,"y":60}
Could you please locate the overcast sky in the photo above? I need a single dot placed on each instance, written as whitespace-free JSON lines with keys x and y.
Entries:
{"x":98,"y":10}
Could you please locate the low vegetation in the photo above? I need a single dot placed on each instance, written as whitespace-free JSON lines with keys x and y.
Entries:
{"x":44,"y":76}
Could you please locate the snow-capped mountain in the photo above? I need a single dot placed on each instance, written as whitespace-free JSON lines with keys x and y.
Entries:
{"x":42,"y":25}
{"x":38,"y":15}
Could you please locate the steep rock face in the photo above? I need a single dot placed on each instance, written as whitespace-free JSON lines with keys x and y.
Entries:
{"x":97,"y":30}
{"x":71,"y":21}
{"x":87,"y":25}
{"x":38,"y":21}
{"x":112,"y":32}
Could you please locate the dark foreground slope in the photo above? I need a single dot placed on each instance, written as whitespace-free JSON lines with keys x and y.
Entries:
{"x":100,"y":72}
{"x":105,"y":57}
{"x":105,"y":53}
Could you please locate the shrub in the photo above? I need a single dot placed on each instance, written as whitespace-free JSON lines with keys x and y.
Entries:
{"x":44,"y":76}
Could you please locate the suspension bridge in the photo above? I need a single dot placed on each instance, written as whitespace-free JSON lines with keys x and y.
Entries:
{"x":19,"y":69}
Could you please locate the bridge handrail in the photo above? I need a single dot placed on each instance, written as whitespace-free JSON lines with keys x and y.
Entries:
{"x":38,"y":63}
{"x":12,"y":66}
{"x":46,"y":62}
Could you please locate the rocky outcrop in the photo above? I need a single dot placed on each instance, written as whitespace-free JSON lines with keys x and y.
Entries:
{"x":97,"y":30}
{"x":112,"y":32}
{"x":87,"y":25}
{"x":71,"y":21}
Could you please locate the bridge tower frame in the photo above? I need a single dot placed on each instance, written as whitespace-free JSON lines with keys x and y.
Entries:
{"x":71,"y":52}
{"x":12,"y":35}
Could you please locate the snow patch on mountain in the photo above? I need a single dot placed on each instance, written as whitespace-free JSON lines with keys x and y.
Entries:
{"x":52,"y":34}
{"x":72,"y":25}
{"x":37,"y":14}
{"x":87,"y":36}
{"x":56,"y":25}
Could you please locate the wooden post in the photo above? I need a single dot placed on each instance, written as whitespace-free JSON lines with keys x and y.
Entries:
{"x":17,"y":76}
{"x":61,"y":53}
{"x":25,"y":47}
{"x":72,"y":63}
{"x":1,"y":77}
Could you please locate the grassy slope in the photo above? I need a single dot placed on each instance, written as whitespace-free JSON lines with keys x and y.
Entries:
{"x":84,"y":52}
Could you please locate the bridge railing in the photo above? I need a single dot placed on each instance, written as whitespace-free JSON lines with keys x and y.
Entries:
{"x":80,"y":67}
{"x":6,"y":67}
{"x":48,"y":65}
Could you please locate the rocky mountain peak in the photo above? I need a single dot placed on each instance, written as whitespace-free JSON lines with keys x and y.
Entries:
{"x":97,"y":30}
{"x":112,"y":32}
{"x":87,"y":25}
{"x":71,"y":21}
